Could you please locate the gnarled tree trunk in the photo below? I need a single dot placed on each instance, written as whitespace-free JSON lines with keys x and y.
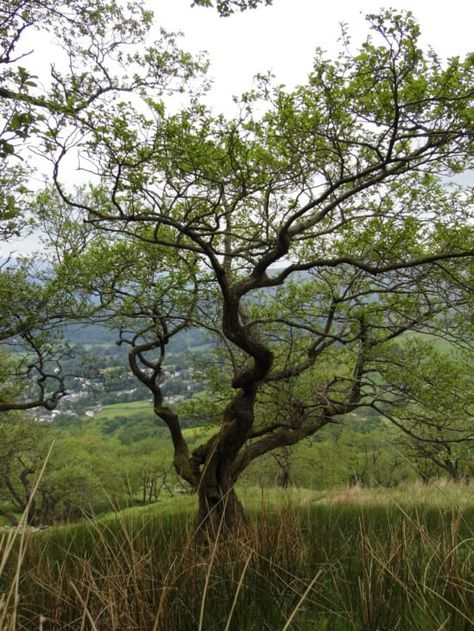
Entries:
{"x":219,"y":507}
{"x":220,"y":510}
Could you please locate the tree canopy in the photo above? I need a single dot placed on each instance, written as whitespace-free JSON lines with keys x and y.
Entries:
{"x":95,"y":40}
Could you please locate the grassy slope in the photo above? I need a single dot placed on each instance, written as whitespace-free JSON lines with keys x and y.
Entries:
{"x":354,"y":559}
{"x":442,"y":496}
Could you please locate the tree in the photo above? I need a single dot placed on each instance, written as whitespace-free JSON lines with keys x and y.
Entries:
{"x":307,"y":236}
{"x":24,"y":449}
{"x":33,"y":306}
{"x":81,"y":475}
{"x":95,"y":39}
{"x":434,"y":408}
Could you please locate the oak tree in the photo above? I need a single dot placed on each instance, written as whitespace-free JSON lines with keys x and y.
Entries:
{"x":308,"y":236}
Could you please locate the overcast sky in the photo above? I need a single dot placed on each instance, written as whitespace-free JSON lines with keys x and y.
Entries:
{"x":282,"y":39}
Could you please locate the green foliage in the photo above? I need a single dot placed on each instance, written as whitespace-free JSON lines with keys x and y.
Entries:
{"x":346,"y":455}
{"x":88,"y":471}
{"x":228,"y":7}
{"x":434,"y":406}
{"x":14,"y":199}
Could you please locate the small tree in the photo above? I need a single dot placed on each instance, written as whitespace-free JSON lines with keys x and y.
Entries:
{"x":81,"y":476}
{"x":434,"y":406}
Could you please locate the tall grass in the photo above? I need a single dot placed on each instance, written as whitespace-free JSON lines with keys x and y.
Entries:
{"x":13,"y":550}
{"x":333,"y":566}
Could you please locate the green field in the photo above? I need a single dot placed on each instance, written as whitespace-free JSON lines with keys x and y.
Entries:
{"x":140,"y":410}
{"x":132,"y":408}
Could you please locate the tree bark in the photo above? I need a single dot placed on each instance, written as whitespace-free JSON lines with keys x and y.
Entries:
{"x":453,"y":469}
{"x":220,"y":511}
{"x":219,"y":507}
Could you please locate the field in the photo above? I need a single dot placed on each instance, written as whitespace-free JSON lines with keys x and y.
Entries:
{"x":131,"y":409}
{"x":333,"y":560}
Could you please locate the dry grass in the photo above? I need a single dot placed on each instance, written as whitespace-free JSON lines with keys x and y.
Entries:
{"x":341,"y":564}
{"x":438,"y":493}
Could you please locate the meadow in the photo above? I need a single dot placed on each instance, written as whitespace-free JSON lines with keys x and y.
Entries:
{"x":346,"y":558}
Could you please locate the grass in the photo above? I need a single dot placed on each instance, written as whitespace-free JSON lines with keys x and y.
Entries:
{"x":440,"y":494}
{"x":125,"y":409}
{"x":131,"y":409}
{"x":344,"y":559}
